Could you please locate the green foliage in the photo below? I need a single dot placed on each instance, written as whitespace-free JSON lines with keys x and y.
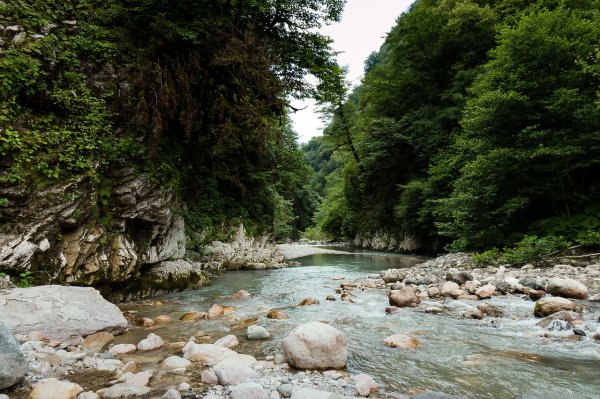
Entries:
{"x":530,"y":249}
{"x":25,"y":280}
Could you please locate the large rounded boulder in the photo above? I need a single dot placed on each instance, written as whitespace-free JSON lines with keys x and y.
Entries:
{"x":403,"y":297}
{"x":13,"y":365}
{"x":567,"y":288}
{"x":316,"y":346}
{"x":547,"y":306}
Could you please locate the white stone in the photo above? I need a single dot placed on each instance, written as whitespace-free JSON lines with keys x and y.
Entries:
{"x":257,"y":332}
{"x":122,"y":349}
{"x":208,"y":354}
{"x":151,"y":342}
{"x":54,"y":389}
{"x":141,"y":379}
{"x":316,"y":345}
{"x":234,"y":375}
{"x":119,"y":391}
{"x":172,"y":394}
{"x":309,"y":393}
{"x":365,"y":384}
{"x":248,"y":390}
{"x":228,"y":341}
{"x":175,"y":362}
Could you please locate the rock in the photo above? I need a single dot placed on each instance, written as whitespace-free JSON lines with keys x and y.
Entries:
{"x":448,"y":287}
{"x":433,"y":309}
{"x":535,"y":294}
{"x":172,"y":394}
{"x":316,"y":345}
{"x":228,"y":341}
{"x":433,"y":292}
{"x":328,"y":298}
{"x":333,"y":374}
{"x":597,"y":337}
{"x":184,"y":387}
{"x":501,"y":285}
{"x":486,"y":291}
{"x":132,"y":367}
{"x":241,"y":294}
{"x":595,"y":298}
{"x":162,"y":319}
{"x":285,"y":390}
{"x":473,"y":314}
{"x":236,"y":359}
{"x":122,"y":349}
{"x":85,"y":395}
{"x":392,"y":275}
{"x":365,"y":384}
{"x":97,"y":342}
{"x":144,"y":322}
{"x":547,"y":306}
{"x":208,"y":354}
{"x":347,"y":297}
{"x":397,"y":286}
{"x":533,"y":283}
{"x":278,"y":314}
{"x":234,"y":375}
{"x":401,"y":341}
{"x":215,"y":311}
{"x":436,"y":395}
{"x":308,"y":301}
{"x":567,"y":288}
{"x":570,"y":319}
{"x":467,"y":297}
{"x":257,"y":332}
{"x":209,"y":377}
{"x":459,"y":277}
{"x":71,"y":312}
{"x":175,"y":362}
{"x":391,"y":309}
{"x":13,"y":365}
{"x":192,"y":316}
{"x":457,"y":293}
{"x":140,"y":379}
{"x":404,"y":297}
{"x":54,"y":389}
{"x":150,"y":343}
{"x":471,"y":286}
{"x":249,"y":390}
{"x":122,"y":391}
{"x":490,"y":310}
{"x":309,"y":393}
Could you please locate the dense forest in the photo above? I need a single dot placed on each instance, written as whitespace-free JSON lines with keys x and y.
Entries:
{"x":476,"y":125}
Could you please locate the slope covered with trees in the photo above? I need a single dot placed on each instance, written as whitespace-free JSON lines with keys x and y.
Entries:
{"x":477,"y":123}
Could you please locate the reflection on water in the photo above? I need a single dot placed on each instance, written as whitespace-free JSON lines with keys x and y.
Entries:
{"x":457,"y":356}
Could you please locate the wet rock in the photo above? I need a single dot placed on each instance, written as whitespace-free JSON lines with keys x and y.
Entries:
{"x":257,"y":332}
{"x":144,"y":322}
{"x":433,"y":309}
{"x":547,"y":306}
{"x":567,"y":288}
{"x":97,"y":343}
{"x":72,"y":312}
{"x":448,"y":287}
{"x":570,"y":319}
{"x":392,"y":275}
{"x":316,"y":345}
{"x":401,"y":341}
{"x":122,"y":349}
{"x":175,"y":362}
{"x":391,"y":309}
{"x":122,"y":391}
{"x":501,"y":285}
{"x":456,"y":293}
{"x":473,"y":314}
{"x":132,"y":367}
{"x":535,"y":294}
{"x":241,"y":294}
{"x":579,"y":332}
{"x":490,"y":310}
{"x":330,"y":298}
{"x":278,"y":314}
{"x":54,"y":389}
{"x":215,"y":311}
{"x":192,"y":316}
{"x":228,"y":341}
{"x":308,"y":301}
{"x":347,"y":297}
{"x":234,"y":375}
{"x":209,"y":377}
{"x":595,"y":298}
{"x":172,"y":394}
{"x":208,"y":354}
{"x":433,"y":292}
{"x":597,"y":337}
{"x":459,"y":277}
{"x":365,"y":384}
{"x":13,"y":365}
{"x":309,"y":393}
{"x":404,"y":297}
{"x":486,"y":291}
{"x":151,"y":342}
{"x":249,"y":390}
{"x":140,"y":379}
{"x":162,"y":319}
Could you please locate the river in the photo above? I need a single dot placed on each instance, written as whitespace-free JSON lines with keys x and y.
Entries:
{"x":478,"y":358}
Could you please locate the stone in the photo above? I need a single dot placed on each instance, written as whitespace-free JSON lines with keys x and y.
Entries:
{"x":401,"y":341}
{"x":132,"y":367}
{"x":255,"y":332}
{"x":162,"y":319}
{"x":391,"y":309}
{"x":533,"y":283}
{"x":209,"y":377}
{"x":436,"y":395}
{"x":150,"y":343}
{"x":248,"y":390}
{"x":457,"y":293}
{"x":122,"y":391}
{"x":365,"y":384}
{"x":140,"y":379}
{"x":144,"y":322}
{"x":392,"y":275}
{"x":433,"y":309}
{"x":333,"y":374}
{"x":234,"y":375}
{"x":13,"y":364}
{"x":172,"y":394}
{"x":459,"y":277}
{"x":473,"y":314}
{"x":490,"y":310}
{"x":597,"y":337}
{"x":535,"y":294}
{"x":228,"y":341}
{"x":175,"y":362}
{"x":192,"y":316}
{"x":567,"y":288}
{"x":308,"y":301}
{"x":285,"y":390}
{"x":208,"y":354}
{"x":86,"y":395}
{"x":60,"y":312}
{"x":404,"y":297}
{"x":547,"y":306}
{"x":316,"y":345}
{"x":241,"y":294}
{"x":486,"y":291}
{"x":54,"y":389}
{"x":433,"y":292}
{"x":122,"y":349}
{"x":278,"y":314}
{"x":215,"y":311}
{"x":570,"y":319}
{"x":328,"y":298}
{"x":472,"y":285}
{"x":467,"y":297}
{"x":595,"y":298}
{"x":183,"y":387}
{"x":97,"y":342}
{"x":309,"y":393}
{"x":448,"y":287}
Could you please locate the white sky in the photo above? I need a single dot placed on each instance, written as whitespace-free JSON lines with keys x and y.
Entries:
{"x":361,"y":31}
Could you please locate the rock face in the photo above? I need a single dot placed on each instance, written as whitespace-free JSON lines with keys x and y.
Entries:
{"x":567,"y":288}
{"x":547,"y":306}
{"x":13,"y":365}
{"x":59,"y":312}
{"x":404,"y":297}
{"x":316,"y":345}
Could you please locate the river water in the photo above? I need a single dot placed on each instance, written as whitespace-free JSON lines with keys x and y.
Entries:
{"x":490,"y":358}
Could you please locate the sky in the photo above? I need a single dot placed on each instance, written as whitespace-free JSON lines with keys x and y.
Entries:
{"x":361,"y":31}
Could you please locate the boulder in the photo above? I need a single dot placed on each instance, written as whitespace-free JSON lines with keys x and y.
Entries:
{"x":249,"y":390}
{"x":175,"y":362}
{"x":234,"y":375}
{"x":122,"y":391}
{"x":208,"y":354}
{"x":547,"y":306}
{"x":401,"y":341}
{"x":316,"y":345}
{"x":278,"y":314}
{"x":122,"y":349}
{"x":365,"y":384}
{"x":309,"y":393}
{"x":172,"y":394}
{"x":141,"y":378}
{"x":535,"y":294}
{"x":54,"y":389}
{"x":473,"y":314}
{"x":150,"y":343}
{"x":486,"y":291}
{"x":162,"y":319}
{"x":433,"y":292}
{"x":97,"y":342}
{"x":535,"y":283}
{"x":13,"y":365}
{"x":216,"y":311}
{"x":62,"y":313}
{"x":144,"y":322}
{"x":228,"y":341}
{"x":392,"y":275}
{"x":257,"y":332}
{"x":448,"y":287}
{"x":595,"y":298}
{"x":192,"y":316}
{"x":567,"y":288}
{"x":459,"y":277}
{"x":403,"y":297}
{"x":308,"y":301}
{"x":209,"y":377}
